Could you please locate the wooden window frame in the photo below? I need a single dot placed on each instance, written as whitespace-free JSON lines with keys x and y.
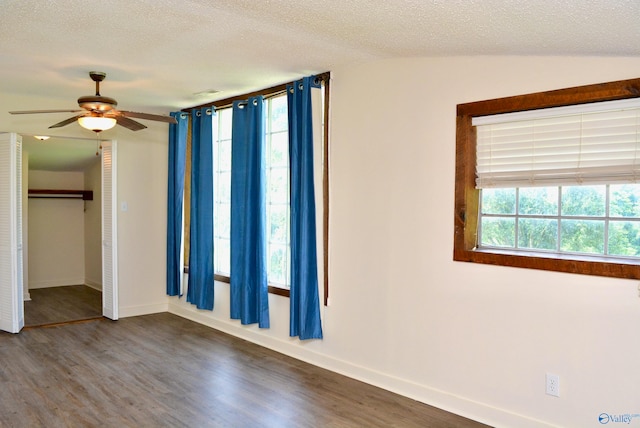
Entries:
{"x":270,"y":92}
{"x":467,"y":196}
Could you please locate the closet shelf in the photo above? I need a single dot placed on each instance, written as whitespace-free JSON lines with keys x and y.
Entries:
{"x":85,"y":195}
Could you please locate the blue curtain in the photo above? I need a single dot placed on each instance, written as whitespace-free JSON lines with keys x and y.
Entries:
{"x":175,"y":194}
{"x":304,"y":303}
{"x":249,"y":290}
{"x":200,"y":290}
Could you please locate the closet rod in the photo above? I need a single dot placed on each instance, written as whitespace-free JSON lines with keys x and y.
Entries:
{"x":85,"y":195}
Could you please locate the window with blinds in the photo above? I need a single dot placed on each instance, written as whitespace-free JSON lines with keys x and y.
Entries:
{"x":595,"y":143}
{"x":551,"y":180}
{"x":561,"y":180}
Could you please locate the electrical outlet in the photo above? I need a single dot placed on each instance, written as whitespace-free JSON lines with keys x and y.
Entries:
{"x":553,"y":385}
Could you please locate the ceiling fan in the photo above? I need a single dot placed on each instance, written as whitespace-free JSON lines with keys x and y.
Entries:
{"x":98,"y":113}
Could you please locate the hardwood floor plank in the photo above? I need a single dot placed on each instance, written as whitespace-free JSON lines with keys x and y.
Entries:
{"x":162,"y":370}
{"x":62,"y":304}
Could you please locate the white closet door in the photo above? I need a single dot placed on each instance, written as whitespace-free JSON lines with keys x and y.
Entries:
{"x":109,"y":235}
{"x":11,"y":289}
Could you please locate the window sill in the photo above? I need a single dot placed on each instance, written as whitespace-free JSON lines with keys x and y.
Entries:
{"x":568,"y":263}
{"x":272,"y":289}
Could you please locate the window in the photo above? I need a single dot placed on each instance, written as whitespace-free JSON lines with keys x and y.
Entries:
{"x":531,"y":217}
{"x":277,"y":174}
{"x":590,"y":220}
{"x":222,"y":191}
{"x":277,"y":164}
{"x":277,"y":195}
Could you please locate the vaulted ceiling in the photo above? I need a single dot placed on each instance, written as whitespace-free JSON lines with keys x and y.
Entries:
{"x":162,"y":55}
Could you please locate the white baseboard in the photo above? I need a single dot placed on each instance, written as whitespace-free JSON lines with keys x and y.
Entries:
{"x":134,"y":311}
{"x":93,"y":284}
{"x":441,"y":399}
{"x":61,"y":282}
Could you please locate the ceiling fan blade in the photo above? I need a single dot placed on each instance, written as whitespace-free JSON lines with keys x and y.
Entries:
{"x":44,"y":111}
{"x":66,"y":122}
{"x":148,"y":116}
{"x":129,"y":124}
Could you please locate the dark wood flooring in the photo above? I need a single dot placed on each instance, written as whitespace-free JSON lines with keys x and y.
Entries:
{"x":62,"y":304}
{"x":165,"y":371}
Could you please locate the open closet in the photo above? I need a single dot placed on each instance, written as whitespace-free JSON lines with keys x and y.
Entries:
{"x":57,"y":241}
{"x":63,"y":251}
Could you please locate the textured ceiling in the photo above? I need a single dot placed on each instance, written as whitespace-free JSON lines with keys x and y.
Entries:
{"x":159,"y":54}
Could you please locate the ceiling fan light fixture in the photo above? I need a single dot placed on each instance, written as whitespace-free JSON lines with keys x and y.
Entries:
{"x":97,"y":124}
{"x":41,"y":137}
{"x":93,"y":109}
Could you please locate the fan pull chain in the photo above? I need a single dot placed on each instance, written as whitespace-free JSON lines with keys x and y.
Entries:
{"x":98,"y":144}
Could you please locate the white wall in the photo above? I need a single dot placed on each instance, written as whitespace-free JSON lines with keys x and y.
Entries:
{"x":142,"y":228}
{"x":473,"y":339}
{"x":56,"y":232}
{"x":93,"y":227}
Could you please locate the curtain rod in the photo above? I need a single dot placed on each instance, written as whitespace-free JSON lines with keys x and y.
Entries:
{"x":267,"y":93}
{"x":266,"y":97}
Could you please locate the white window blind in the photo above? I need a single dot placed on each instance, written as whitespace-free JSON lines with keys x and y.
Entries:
{"x":594,"y":143}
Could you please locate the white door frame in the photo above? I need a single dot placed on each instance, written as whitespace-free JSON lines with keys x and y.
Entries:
{"x":109,"y":231}
{"x":11,"y":287}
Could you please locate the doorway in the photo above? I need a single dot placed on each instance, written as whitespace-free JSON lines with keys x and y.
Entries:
{"x":63,"y":252}
{"x":12,"y":310}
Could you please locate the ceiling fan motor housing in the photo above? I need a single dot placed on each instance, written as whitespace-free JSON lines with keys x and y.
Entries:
{"x":97,"y":103}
